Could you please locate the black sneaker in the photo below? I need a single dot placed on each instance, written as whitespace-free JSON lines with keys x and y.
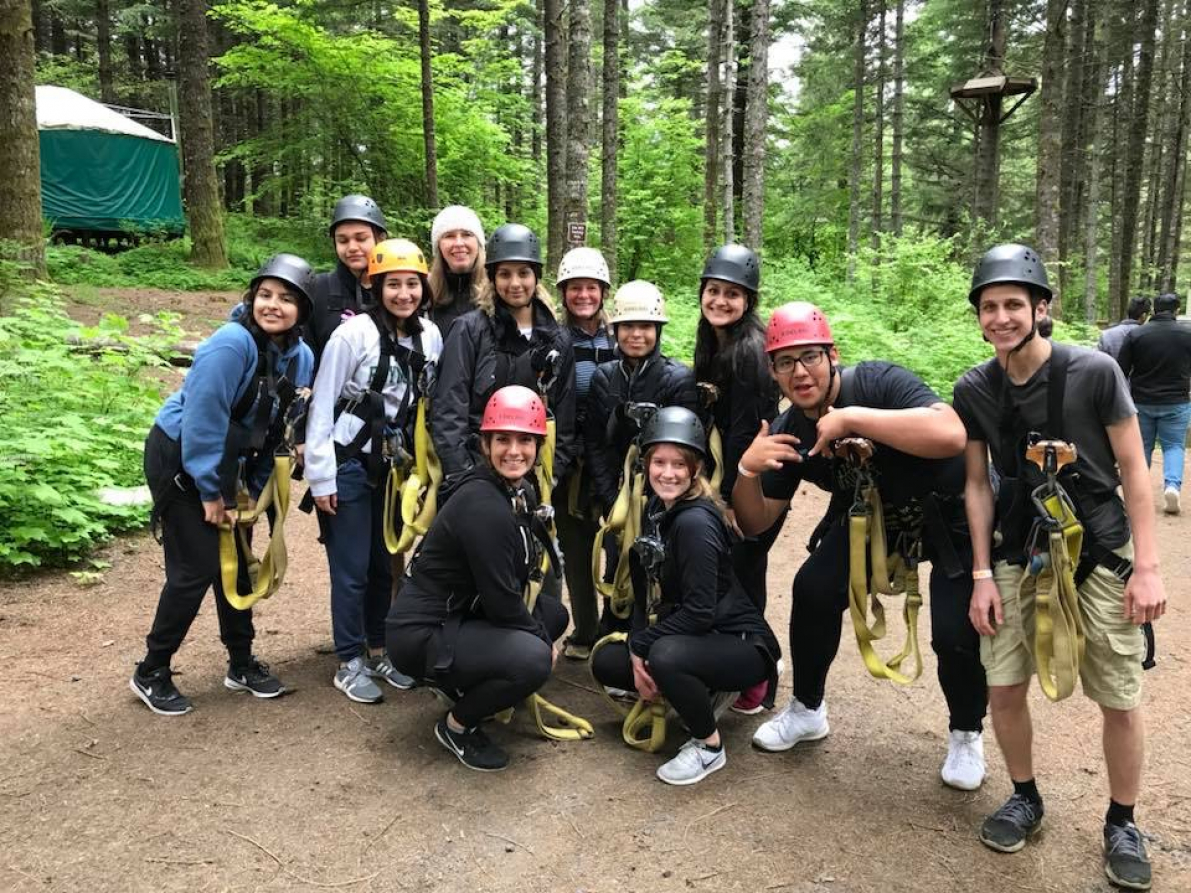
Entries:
{"x":1006,"y":829}
{"x":158,"y":691}
{"x":254,"y":677}
{"x":472,"y":747}
{"x":1125,"y":859}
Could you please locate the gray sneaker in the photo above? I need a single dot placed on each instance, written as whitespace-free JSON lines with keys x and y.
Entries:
{"x":695,"y":761}
{"x":353,"y":680}
{"x":382,"y":668}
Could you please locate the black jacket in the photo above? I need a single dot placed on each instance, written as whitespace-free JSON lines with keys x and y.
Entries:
{"x":1156,"y":358}
{"x":745,"y":398}
{"x":460,"y":292}
{"x":337,"y":295}
{"x":699,"y":592}
{"x":473,"y":563}
{"x":608,"y":432}
{"x":482,"y":354}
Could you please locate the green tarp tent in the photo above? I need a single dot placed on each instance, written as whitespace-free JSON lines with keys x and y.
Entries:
{"x":102,"y":172}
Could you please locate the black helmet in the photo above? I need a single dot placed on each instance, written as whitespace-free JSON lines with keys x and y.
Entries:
{"x":676,"y":425}
{"x":1009,"y":264}
{"x":736,"y":264}
{"x":514,"y":242}
{"x":291,"y":270}
{"x":358,"y":208}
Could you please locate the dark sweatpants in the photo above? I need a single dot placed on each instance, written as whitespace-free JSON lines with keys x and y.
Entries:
{"x":687,"y":669}
{"x":750,"y":562}
{"x":494,"y":667}
{"x":191,"y":562}
{"x":816,"y":619}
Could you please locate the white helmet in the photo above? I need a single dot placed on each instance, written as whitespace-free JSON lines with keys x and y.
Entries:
{"x":639,"y":301}
{"x":583,"y":263}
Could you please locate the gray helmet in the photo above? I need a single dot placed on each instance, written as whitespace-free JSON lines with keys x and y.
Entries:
{"x":516,"y":243}
{"x":1009,"y":265}
{"x":676,"y":425}
{"x":359,"y":208}
{"x":293,"y":271}
{"x":736,"y":264}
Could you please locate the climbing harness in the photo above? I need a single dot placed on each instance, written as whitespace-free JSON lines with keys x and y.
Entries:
{"x":891,"y":574}
{"x":413,"y":491}
{"x":708,"y":395}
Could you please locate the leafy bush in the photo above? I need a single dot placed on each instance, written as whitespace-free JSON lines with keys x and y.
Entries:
{"x":76,"y":403}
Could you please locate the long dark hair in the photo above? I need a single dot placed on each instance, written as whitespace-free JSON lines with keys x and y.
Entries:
{"x":743,"y":354}
{"x":248,"y":321}
{"x":385,"y":320}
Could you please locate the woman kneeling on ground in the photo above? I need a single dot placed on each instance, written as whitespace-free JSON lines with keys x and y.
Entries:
{"x":707,"y":636}
{"x":360,"y":416}
{"x":460,"y":621}
{"x":199,"y":454}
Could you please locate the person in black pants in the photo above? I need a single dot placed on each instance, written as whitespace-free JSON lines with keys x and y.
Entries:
{"x":919,"y":473}
{"x":214,"y":435}
{"x":702,"y":634}
{"x":460,"y":620}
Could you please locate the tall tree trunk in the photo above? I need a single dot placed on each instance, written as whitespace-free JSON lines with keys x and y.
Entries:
{"x":41,"y":26}
{"x":535,"y":92}
{"x":899,"y":110}
{"x":264,"y":202}
{"x":103,"y":49}
{"x":729,"y":95}
{"x":740,"y":100}
{"x":879,"y":132}
{"x":20,"y":152}
{"x":610,"y":136}
{"x":1095,"y":81}
{"x":198,"y":150}
{"x":1072,"y":168}
{"x":756,"y":116}
{"x":1176,"y":171}
{"x":988,"y":165}
{"x":854,"y":170}
{"x":556,"y":130}
{"x":1162,"y":129}
{"x":715,"y":25}
{"x":1121,"y":38}
{"x":1133,"y":165}
{"x":1050,"y":146}
{"x":57,"y":32}
{"x":428,"y":105}
{"x":579,"y":121}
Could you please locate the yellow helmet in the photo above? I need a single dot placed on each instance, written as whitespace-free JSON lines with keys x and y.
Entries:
{"x":397,"y":255}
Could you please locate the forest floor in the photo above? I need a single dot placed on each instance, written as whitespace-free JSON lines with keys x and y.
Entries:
{"x":311,"y":791}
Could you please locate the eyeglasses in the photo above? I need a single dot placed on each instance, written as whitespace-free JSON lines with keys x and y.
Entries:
{"x":785,"y":364}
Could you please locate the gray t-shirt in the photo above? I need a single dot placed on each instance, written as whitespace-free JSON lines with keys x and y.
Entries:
{"x":1096,"y":396}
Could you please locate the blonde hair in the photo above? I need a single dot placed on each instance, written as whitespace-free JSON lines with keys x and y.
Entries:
{"x":700,"y":487}
{"x":438,"y":277}
{"x":487,"y":298}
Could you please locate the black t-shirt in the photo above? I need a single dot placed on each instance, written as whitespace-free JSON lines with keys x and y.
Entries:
{"x":902,"y":479}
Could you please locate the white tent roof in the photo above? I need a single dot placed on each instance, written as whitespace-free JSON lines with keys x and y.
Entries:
{"x":61,"y":109}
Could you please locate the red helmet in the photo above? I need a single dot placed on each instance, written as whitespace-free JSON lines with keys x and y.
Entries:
{"x":515,"y":408}
{"x":796,"y":324}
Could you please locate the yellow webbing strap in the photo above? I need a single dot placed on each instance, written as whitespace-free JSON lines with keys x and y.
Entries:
{"x":867,"y":528}
{"x":418,"y":490}
{"x":266,"y":574}
{"x":394,"y":541}
{"x":1058,"y":626}
{"x":644,"y":726}
{"x":623,"y":522}
{"x":716,"y":444}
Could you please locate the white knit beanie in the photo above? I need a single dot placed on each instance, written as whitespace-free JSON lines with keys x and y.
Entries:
{"x":455,"y":217}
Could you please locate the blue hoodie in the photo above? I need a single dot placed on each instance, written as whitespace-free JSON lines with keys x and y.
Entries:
{"x":199,"y":413}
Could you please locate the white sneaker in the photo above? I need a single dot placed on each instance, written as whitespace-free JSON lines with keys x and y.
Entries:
{"x":695,"y":761}
{"x":793,"y":724}
{"x":1173,"y":503}
{"x":964,"y":767}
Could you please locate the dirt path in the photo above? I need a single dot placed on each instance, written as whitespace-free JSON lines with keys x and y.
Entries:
{"x":313,"y":792}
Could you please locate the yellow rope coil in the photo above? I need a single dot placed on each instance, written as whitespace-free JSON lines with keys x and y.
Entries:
{"x":267,"y":573}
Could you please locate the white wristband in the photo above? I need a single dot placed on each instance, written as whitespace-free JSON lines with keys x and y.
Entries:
{"x":744,"y":472}
{"x":982,"y":574}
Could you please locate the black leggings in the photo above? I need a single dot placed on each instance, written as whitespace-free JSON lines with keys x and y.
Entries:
{"x":191,"y":563}
{"x":494,"y":667}
{"x":750,"y":562}
{"x":821,"y":597}
{"x":687,"y":669}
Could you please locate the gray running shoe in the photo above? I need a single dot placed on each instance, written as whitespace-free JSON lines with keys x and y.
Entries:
{"x":353,"y":680}
{"x":1006,"y":829}
{"x":1125,"y":860}
{"x":382,"y":668}
{"x":695,"y":761}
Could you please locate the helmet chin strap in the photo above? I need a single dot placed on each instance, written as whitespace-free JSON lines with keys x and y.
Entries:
{"x":831,"y":373}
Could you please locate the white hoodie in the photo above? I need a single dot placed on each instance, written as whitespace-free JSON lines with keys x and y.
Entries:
{"x":348,"y":364}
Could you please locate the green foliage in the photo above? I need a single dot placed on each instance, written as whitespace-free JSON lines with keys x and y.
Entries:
{"x":76,"y":403}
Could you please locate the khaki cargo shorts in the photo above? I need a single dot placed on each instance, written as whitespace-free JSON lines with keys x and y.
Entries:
{"x":1111,"y":669}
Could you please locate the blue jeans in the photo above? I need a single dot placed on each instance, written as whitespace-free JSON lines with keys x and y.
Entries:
{"x":361,"y":568}
{"x":1166,"y":422}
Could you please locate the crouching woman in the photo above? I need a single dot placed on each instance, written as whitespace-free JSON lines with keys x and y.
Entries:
{"x":460,"y":620}
{"x":699,"y":634}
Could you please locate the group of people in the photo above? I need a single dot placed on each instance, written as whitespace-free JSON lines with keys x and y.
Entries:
{"x":548,"y":422}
